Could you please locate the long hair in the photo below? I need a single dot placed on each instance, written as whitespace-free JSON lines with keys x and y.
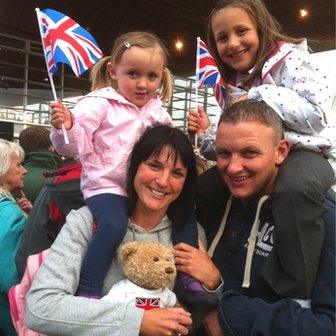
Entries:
{"x":151,"y":144}
{"x":100,"y":77}
{"x":269,"y":32}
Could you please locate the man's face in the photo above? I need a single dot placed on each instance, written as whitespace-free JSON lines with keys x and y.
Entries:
{"x":248,"y":155}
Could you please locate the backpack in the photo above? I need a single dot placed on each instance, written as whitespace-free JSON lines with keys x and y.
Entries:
{"x":17,"y":295}
{"x":60,"y":195}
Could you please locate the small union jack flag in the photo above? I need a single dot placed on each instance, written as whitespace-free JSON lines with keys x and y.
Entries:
{"x":219,"y":91}
{"x":207,"y":72}
{"x":65,"y":41}
{"x":147,"y":303}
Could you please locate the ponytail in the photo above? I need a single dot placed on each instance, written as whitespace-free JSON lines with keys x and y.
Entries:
{"x":167,"y":84}
{"x":99,"y":75}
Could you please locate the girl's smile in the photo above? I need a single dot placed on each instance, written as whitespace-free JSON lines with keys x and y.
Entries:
{"x":236,"y":38}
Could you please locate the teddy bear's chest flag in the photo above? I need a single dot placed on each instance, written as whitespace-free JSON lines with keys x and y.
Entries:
{"x":147,"y":303}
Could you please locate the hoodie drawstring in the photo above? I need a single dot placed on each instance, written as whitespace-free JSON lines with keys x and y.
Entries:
{"x":221,"y":228}
{"x":251,"y":240}
{"x":251,"y":244}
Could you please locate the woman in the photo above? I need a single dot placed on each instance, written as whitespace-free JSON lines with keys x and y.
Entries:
{"x":161,"y":189}
{"x":12,"y":223}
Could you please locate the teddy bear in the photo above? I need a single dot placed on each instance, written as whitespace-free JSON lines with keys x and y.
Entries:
{"x":149,"y":269}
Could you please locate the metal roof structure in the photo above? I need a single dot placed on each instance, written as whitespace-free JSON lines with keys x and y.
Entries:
{"x":170,"y":19}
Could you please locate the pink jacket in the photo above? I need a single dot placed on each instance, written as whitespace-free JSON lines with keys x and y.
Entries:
{"x":105,"y":129}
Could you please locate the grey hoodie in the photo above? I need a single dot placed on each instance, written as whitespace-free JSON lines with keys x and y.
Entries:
{"x":52,"y":307}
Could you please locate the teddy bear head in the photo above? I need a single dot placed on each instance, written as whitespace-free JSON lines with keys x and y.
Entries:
{"x":149,"y":265}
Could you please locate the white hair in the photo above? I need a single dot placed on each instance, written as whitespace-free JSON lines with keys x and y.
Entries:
{"x":7,"y":150}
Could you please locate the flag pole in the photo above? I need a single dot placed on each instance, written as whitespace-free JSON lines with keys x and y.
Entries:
{"x":196,"y":88}
{"x":51,"y":80}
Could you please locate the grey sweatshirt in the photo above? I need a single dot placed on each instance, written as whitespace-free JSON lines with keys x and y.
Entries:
{"x":52,"y":307}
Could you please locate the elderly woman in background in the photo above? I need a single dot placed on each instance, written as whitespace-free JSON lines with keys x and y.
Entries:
{"x":12,"y":223}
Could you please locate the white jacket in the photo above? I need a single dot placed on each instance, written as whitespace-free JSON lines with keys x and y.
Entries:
{"x":297,"y":89}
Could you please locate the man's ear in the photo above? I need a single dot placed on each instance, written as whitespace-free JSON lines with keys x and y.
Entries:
{"x":282,"y":151}
{"x":111,"y":71}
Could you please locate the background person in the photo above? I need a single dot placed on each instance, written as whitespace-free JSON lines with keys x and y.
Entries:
{"x":161,"y":187}
{"x":40,"y":158}
{"x":258,"y":61}
{"x":60,"y":195}
{"x":12,"y":223}
{"x":250,"y":150}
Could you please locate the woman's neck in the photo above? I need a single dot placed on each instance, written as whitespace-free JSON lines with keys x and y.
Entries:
{"x":145,"y":219}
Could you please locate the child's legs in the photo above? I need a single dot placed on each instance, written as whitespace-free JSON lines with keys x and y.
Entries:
{"x":110,"y":212}
{"x":297,"y":207}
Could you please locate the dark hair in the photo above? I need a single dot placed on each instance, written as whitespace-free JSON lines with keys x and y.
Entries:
{"x":151,"y":143}
{"x":253,"y":110}
{"x":269,"y":31}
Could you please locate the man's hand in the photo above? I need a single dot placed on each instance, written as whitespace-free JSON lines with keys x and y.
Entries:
{"x":211,"y":324}
{"x":197,"y":264}
{"x":198,"y":121}
{"x":60,"y":115}
{"x":165,"y":321}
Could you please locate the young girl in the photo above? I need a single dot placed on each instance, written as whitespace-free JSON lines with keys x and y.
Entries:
{"x":128,"y":89}
{"x":259,"y":62}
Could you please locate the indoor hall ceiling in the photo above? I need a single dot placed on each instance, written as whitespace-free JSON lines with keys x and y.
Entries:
{"x":170,"y":19}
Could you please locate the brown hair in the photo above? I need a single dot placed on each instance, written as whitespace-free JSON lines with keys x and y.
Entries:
{"x":254,"y":110}
{"x":269,"y":31}
{"x":100,"y":77}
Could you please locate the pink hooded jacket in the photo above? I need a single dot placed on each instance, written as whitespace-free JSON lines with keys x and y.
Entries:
{"x":105,"y":129}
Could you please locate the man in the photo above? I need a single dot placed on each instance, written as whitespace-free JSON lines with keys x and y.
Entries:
{"x":250,"y":148}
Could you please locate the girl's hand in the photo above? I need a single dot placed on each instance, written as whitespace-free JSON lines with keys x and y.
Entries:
{"x":24,"y":203}
{"x":165,"y":321}
{"x":197,"y":264}
{"x":211,"y":324}
{"x":60,"y":115}
{"x":198,"y":122}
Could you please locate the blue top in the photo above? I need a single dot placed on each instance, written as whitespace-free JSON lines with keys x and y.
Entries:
{"x":12,"y":223}
{"x":259,"y":310}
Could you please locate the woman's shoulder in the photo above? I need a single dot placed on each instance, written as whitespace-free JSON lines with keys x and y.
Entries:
{"x":8,"y":205}
{"x":79,"y":223}
{"x":11,"y":216}
{"x":82,"y":215}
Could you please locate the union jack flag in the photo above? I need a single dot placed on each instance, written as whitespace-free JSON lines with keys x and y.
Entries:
{"x":65,"y":41}
{"x":207,"y":73}
{"x":147,"y":303}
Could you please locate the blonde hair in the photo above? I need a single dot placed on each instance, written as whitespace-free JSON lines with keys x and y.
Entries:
{"x":269,"y":32}
{"x":100,"y":77}
{"x":7,"y":150}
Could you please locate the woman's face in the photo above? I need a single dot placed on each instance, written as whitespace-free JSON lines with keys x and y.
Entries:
{"x":14,"y":176}
{"x":158,"y":182}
